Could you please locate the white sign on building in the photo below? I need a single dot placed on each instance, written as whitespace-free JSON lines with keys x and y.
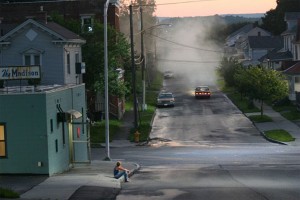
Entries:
{"x":20,"y":72}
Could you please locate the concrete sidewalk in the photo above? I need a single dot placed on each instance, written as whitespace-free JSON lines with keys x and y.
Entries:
{"x":84,"y":181}
{"x":279,"y":122}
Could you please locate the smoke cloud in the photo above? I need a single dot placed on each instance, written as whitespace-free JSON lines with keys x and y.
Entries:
{"x":184,"y":49}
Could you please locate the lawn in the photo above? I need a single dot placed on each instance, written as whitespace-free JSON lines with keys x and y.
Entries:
{"x":243,"y":103}
{"x":279,"y":135}
{"x":97,"y":131}
{"x":7,"y":193}
{"x":260,"y":118}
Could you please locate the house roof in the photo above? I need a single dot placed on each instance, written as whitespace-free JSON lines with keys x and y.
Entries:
{"x":265,"y":42}
{"x":245,"y":29}
{"x":292,"y":15}
{"x":59,"y":32}
{"x":66,"y":33}
{"x":276,"y":55}
{"x":5,"y":28}
{"x":293,"y":70}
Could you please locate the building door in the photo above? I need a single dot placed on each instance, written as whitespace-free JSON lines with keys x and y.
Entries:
{"x":81,"y":152}
{"x":79,"y":140}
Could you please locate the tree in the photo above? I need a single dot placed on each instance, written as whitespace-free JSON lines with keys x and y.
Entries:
{"x":262,"y":84}
{"x":118,"y":57}
{"x":242,"y":84}
{"x":149,"y":19}
{"x":93,"y":55}
{"x":227,"y":69}
{"x":274,"y":18}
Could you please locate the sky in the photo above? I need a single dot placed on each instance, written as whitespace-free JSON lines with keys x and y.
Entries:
{"x":192,"y":8}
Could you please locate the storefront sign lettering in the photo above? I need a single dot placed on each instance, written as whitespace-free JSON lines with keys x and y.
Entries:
{"x":19,"y":72}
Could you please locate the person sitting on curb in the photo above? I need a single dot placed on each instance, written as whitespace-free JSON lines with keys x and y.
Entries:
{"x":120,"y":171}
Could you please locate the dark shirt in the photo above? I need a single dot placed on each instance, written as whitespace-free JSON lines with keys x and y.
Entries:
{"x":116,"y":171}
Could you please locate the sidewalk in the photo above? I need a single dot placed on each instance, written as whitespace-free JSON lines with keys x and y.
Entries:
{"x":84,"y":181}
{"x":279,"y":122}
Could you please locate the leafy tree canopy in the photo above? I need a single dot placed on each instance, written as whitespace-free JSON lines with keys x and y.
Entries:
{"x":93,"y":56}
{"x":261,"y":84}
{"x":274,"y":18}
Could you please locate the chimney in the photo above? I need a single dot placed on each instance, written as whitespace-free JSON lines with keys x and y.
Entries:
{"x":41,"y":15}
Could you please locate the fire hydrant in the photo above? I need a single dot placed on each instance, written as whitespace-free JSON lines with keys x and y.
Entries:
{"x":137,"y":137}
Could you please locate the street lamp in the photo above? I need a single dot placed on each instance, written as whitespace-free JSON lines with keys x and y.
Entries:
{"x":106,"y":84}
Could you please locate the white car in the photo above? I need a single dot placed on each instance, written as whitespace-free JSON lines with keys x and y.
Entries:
{"x":168,"y":74}
{"x":165,"y":99}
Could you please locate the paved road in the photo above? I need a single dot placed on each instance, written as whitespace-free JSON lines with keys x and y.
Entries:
{"x":215,"y":119}
{"x":209,"y":150}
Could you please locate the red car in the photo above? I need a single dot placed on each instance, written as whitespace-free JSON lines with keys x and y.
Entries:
{"x":202,"y":92}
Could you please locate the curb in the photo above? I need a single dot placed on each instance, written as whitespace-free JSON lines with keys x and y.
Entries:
{"x":135,"y":170}
{"x":271,"y":140}
{"x":131,"y":173}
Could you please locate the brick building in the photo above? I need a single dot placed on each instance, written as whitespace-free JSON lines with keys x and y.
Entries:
{"x":16,"y":11}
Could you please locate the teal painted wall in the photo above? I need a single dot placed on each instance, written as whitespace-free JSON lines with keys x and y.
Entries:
{"x":34,"y":135}
{"x":26,"y":134}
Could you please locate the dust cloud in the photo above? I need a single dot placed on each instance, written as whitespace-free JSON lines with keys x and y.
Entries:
{"x":184,"y":49}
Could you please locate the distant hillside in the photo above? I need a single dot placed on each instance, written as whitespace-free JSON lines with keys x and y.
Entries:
{"x":229,"y":19}
{"x":253,"y":15}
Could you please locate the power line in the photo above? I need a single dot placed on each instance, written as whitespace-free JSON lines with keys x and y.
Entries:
{"x":182,"y":2}
{"x":188,"y":61}
{"x":173,"y":3}
{"x":184,"y":45}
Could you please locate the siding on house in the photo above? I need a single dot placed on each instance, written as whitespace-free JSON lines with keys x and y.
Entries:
{"x":51,"y":41}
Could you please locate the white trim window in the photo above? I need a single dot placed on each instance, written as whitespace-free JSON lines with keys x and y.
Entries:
{"x":87,"y":23}
{"x":32,"y":57}
{"x":68,"y":63}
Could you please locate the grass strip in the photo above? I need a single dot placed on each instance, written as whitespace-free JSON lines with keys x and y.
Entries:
{"x":7,"y":193}
{"x":279,"y":135}
{"x":260,"y":118}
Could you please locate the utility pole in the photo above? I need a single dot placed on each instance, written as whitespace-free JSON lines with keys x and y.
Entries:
{"x":106,"y":84}
{"x":143,"y":58}
{"x":133,"y":70}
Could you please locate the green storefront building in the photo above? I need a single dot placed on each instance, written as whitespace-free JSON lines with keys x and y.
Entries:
{"x":42,"y":130}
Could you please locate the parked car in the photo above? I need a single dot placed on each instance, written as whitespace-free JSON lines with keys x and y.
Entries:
{"x":165,"y":99}
{"x":202,"y":92}
{"x":168,"y":74}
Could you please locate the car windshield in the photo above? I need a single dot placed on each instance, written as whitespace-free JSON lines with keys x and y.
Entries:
{"x":203,"y":89}
{"x":166,"y":95}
